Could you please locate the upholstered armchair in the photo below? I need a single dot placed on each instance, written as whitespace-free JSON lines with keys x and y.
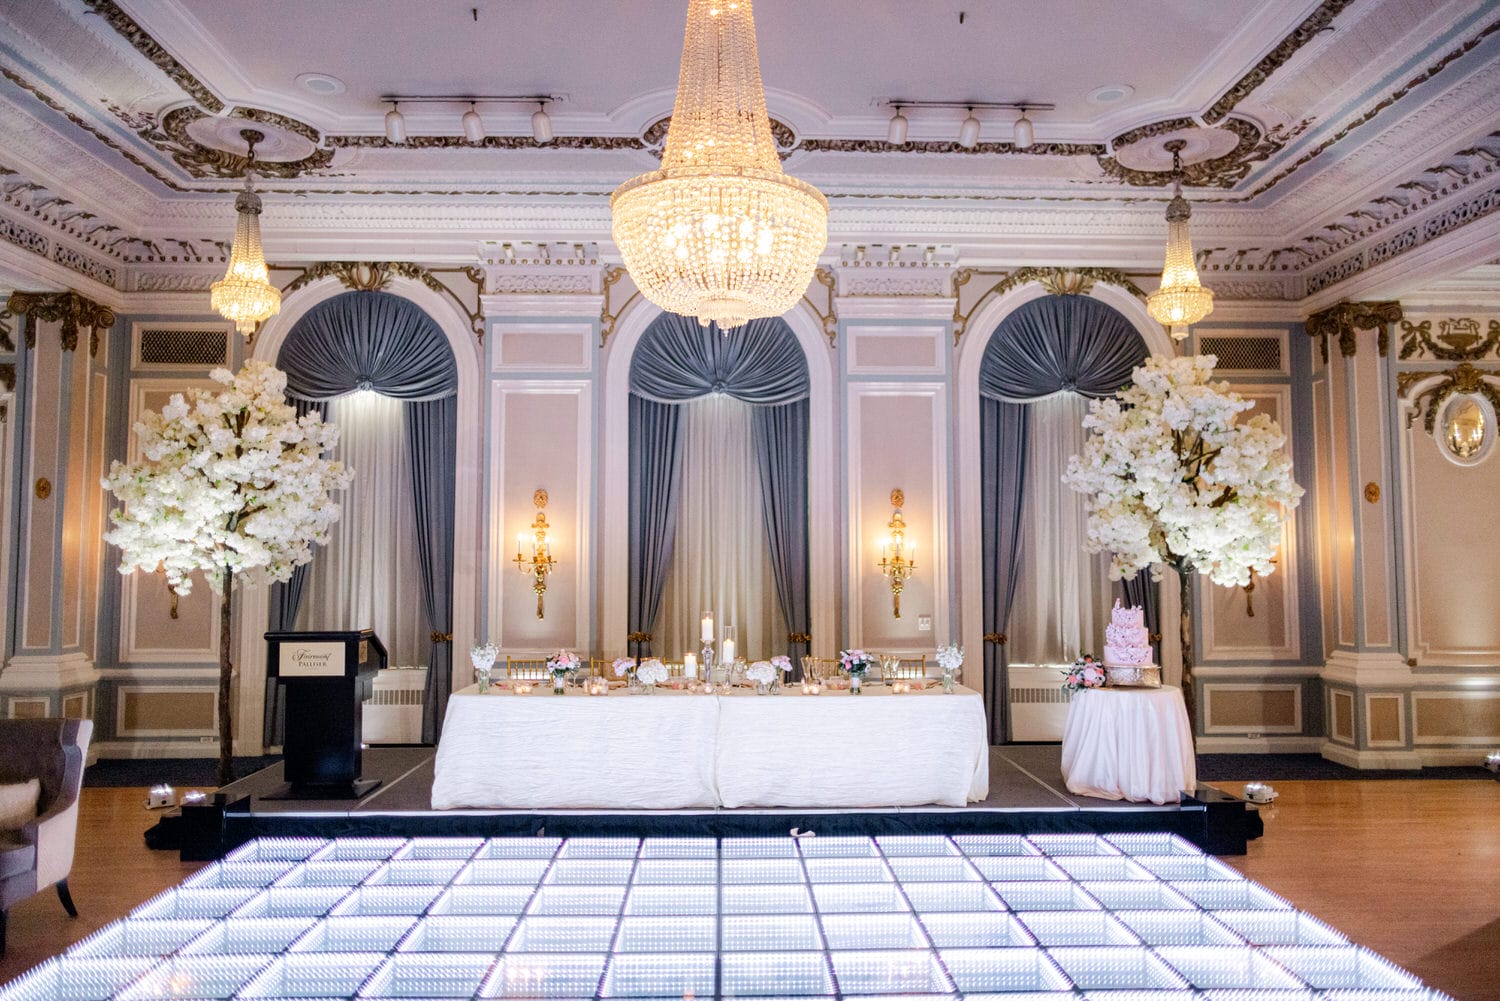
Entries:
{"x":39,"y":853}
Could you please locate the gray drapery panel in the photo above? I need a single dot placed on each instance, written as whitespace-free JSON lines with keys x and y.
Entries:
{"x":432,"y":438}
{"x":762,"y":364}
{"x":1058,"y":343}
{"x":382,"y":342}
{"x":781,"y":443}
{"x":1002,"y":433}
{"x":1143,"y":592}
{"x":285,"y":599}
{"x":759,"y":363}
{"x":655,"y":458}
{"x":368,"y":340}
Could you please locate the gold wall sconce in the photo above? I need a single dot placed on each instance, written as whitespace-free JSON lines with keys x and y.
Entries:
{"x":540,"y":563}
{"x":898,"y":558}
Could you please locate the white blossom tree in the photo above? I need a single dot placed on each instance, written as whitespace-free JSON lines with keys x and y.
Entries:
{"x":1172,"y":477}
{"x":232,"y":484}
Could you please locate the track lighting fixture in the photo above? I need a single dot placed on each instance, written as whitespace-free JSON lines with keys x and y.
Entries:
{"x":395,"y":124}
{"x":1023,"y":135}
{"x":896,"y":134}
{"x":541,"y":124}
{"x":968,"y":132}
{"x":473,"y":125}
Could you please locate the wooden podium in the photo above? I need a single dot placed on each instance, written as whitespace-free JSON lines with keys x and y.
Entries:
{"x":321,"y":671}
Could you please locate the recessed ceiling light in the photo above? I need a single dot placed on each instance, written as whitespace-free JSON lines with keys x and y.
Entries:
{"x":321,"y":83}
{"x":1110,"y":93}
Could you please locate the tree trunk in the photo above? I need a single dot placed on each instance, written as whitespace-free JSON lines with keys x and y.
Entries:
{"x":1189,"y":696}
{"x":226,"y":677}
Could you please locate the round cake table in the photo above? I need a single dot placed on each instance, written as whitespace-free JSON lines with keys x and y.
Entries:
{"x":1129,"y":743}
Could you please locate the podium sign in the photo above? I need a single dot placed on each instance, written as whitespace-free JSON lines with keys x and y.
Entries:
{"x":321,"y":672}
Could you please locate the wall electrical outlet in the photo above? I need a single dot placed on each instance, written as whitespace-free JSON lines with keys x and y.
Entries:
{"x":924,"y":623}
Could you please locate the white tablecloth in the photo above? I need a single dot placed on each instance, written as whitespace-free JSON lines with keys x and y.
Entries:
{"x":1129,"y":743}
{"x":673,"y":750}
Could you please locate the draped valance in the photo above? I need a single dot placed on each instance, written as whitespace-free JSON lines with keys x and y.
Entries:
{"x":760,"y":363}
{"x":1060,"y":343}
{"x":368,"y":341}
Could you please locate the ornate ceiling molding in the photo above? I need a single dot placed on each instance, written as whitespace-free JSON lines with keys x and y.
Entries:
{"x":172,"y":137}
{"x":1311,"y":26}
{"x":1343,"y":319}
{"x":896,"y":270}
{"x":68,"y":308}
{"x":1458,"y":339}
{"x":1226,"y":171}
{"x":375,"y":276}
{"x":525,"y":268}
{"x":140,"y":39}
{"x":1057,"y":281}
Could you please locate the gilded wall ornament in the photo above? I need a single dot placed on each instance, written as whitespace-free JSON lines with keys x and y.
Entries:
{"x":829,"y":316}
{"x":1458,"y":339}
{"x":1343,"y":319}
{"x":1057,"y":281}
{"x":68,"y":308}
{"x":1463,"y":378}
{"x":8,"y":376}
{"x":7,"y":342}
{"x":375,"y":276}
{"x":609,"y":317}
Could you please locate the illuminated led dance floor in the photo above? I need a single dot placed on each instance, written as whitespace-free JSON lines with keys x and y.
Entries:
{"x":1135,"y":917}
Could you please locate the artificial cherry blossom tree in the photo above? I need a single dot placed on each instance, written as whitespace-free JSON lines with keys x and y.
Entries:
{"x":232,"y":484}
{"x":1172,"y":477}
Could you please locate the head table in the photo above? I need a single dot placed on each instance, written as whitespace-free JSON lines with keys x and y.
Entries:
{"x":678,"y":750}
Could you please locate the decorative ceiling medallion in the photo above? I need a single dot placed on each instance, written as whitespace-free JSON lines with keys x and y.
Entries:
{"x":1242,"y":143}
{"x":655,"y":136}
{"x":280,"y":145}
{"x":205,"y":145}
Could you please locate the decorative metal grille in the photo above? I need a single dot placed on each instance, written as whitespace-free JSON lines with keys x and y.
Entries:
{"x":184,"y":347}
{"x":1244,"y":354}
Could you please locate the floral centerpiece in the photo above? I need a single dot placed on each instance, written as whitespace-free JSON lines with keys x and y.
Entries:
{"x":764,"y":674}
{"x":951,"y":660}
{"x":651,"y":673}
{"x":1086,"y":672}
{"x":856,"y":664}
{"x":482,"y":656}
{"x":562,"y":664}
{"x":1172,"y":477}
{"x":783,"y":664}
{"x":232,"y":484}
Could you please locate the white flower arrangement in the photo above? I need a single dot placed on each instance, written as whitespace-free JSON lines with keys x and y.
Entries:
{"x":762,"y":672}
{"x":232,"y":484}
{"x":563,"y":662}
{"x":483,"y":656}
{"x":950,"y":658}
{"x":623,"y":666}
{"x":1172,"y":476}
{"x":651,"y":672}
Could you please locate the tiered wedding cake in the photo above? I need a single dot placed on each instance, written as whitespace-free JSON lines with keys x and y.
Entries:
{"x":1127,"y":649}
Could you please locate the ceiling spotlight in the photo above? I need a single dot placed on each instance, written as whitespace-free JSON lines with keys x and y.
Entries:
{"x":541,"y":125}
{"x":968,"y":132}
{"x":395,"y":124}
{"x":1024,"y":135}
{"x":896,"y":134}
{"x":473,"y":125}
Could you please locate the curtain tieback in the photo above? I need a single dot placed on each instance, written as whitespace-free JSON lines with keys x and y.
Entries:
{"x":1154,"y":638}
{"x":438,"y":637}
{"x":994,"y":638}
{"x":638,"y":637}
{"x":799,"y":637}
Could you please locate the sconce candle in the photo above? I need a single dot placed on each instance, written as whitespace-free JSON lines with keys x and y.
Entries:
{"x":540,"y":563}
{"x":897,"y":556}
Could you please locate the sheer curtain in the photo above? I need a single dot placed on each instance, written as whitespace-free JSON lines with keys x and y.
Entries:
{"x":1062,"y":594}
{"x":368,"y":575}
{"x":721,"y":560}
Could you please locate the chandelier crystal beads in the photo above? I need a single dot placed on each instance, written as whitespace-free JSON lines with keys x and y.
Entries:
{"x":245,"y":293}
{"x":1182,"y":300}
{"x":720,"y":232}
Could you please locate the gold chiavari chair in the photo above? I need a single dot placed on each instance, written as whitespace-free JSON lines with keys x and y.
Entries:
{"x":902,"y":667}
{"x":820,"y":669}
{"x":600,"y":667}
{"x":526,"y":668}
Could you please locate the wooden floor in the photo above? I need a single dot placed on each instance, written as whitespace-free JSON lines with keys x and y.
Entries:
{"x":1409,"y":868}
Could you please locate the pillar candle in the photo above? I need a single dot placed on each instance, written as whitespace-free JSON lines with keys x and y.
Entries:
{"x":707,"y":635}
{"x":728,"y":654}
{"x":690,"y":665}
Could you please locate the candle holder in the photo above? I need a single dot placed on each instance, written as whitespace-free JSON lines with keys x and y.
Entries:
{"x":521,"y":688}
{"x":811,"y":688}
{"x":598,"y":686}
{"x":706,"y":659}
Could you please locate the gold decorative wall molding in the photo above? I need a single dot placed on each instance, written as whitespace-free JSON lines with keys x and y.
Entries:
{"x":1343,"y":319}
{"x":70,"y":309}
{"x":1463,"y":378}
{"x":7,"y":388}
{"x":7,"y":343}
{"x":375,"y":276}
{"x":824,"y":277}
{"x":1057,"y":281}
{"x":607,"y":317}
{"x":1458,"y":339}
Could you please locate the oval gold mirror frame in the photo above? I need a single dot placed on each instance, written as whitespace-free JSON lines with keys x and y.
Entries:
{"x":1466,"y":429}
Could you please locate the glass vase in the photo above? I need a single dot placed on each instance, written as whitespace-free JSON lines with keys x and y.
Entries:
{"x":948,"y":682}
{"x":559,"y":682}
{"x":762,"y":688}
{"x":854,"y":680}
{"x":482,"y":679}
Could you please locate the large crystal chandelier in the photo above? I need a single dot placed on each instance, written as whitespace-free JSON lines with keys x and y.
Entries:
{"x":245,"y":293}
{"x":719,"y":232}
{"x":1182,"y":300}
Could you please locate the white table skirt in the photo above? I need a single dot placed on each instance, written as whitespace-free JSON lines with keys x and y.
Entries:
{"x":673,"y":750}
{"x":1129,"y":743}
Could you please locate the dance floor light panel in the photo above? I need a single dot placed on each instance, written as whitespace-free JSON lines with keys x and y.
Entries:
{"x":1134,"y":917}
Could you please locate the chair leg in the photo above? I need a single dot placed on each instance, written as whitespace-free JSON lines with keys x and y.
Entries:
{"x":66,"y":898}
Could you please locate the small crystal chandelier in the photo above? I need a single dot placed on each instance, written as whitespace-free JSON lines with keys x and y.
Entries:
{"x":1182,"y":300}
{"x":245,"y":293}
{"x":720,"y":232}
